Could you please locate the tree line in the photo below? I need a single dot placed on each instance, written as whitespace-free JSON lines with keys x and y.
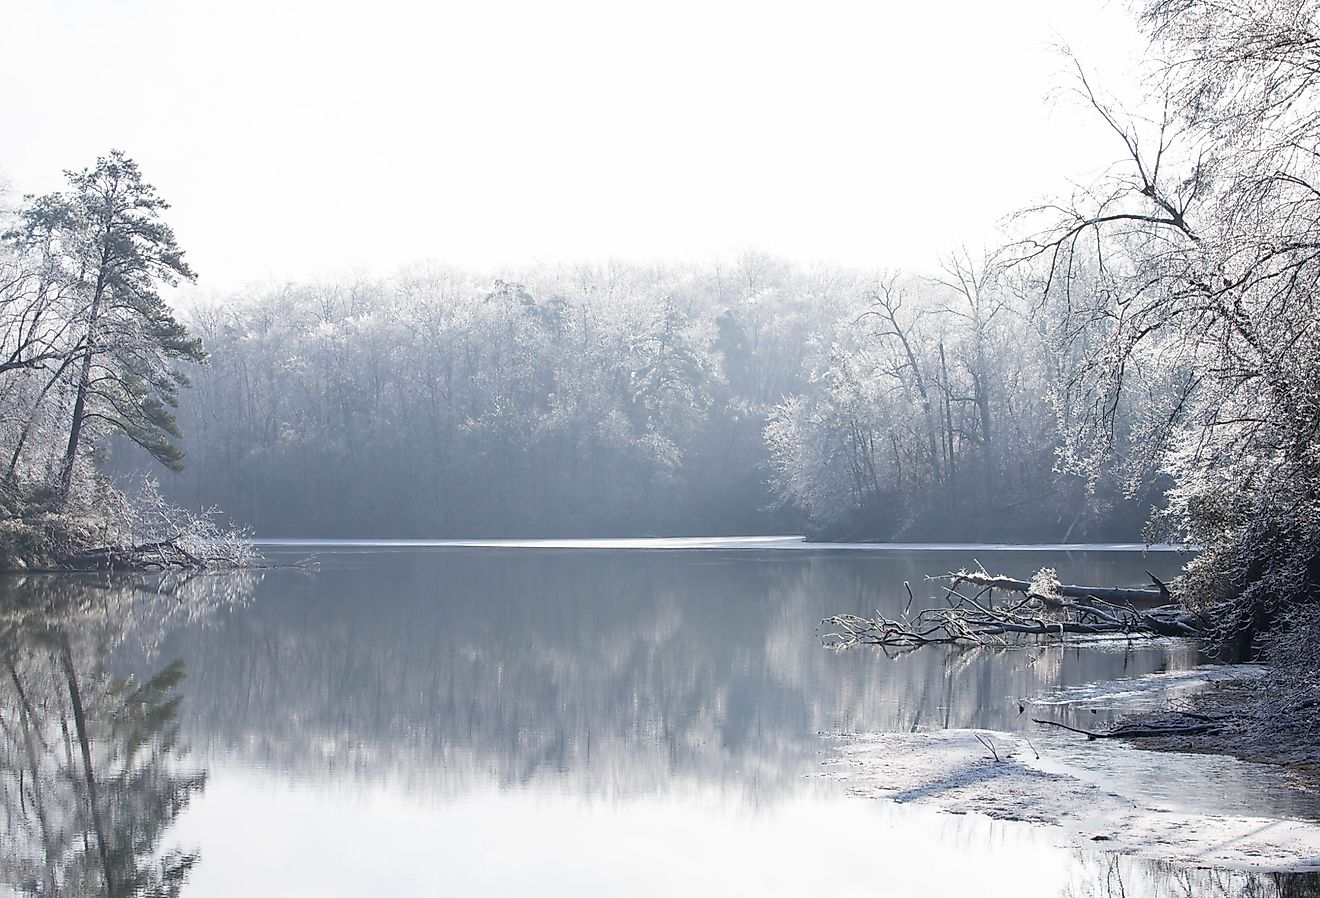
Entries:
{"x":1150,"y":341}
{"x":741,"y":397}
{"x":747,"y":397}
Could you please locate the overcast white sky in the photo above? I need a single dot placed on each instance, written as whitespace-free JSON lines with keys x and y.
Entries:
{"x":306,"y":139}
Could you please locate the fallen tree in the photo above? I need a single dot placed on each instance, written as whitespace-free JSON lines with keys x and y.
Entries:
{"x":1269,"y":719}
{"x":1040,"y":607}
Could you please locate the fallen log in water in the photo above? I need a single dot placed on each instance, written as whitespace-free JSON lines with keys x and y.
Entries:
{"x":1104,"y":593}
{"x":1045,"y":608}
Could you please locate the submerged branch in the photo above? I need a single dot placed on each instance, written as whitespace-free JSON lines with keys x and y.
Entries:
{"x":1183,"y":723}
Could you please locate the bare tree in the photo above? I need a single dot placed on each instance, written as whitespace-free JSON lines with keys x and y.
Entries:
{"x":1203,"y":251}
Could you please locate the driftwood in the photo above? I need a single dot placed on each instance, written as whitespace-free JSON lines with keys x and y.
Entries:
{"x":1040,"y":607}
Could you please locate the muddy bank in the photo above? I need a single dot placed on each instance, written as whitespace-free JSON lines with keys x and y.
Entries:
{"x":1244,"y":731}
{"x":1247,"y":717}
{"x":1185,"y":799}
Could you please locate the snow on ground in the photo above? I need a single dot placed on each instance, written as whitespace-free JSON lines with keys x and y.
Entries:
{"x":1003,"y":776}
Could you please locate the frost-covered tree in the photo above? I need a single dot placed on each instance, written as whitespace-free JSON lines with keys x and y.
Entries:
{"x":622,"y":399}
{"x":1201,"y":301}
{"x":101,"y":245}
{"x":928,"y":416}
{"x":89,"y":350}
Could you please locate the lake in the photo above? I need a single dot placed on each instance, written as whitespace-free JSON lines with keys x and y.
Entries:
{"x":607,"y":717}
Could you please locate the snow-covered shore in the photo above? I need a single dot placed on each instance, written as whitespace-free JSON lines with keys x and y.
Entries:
{"x":1008,"y":777}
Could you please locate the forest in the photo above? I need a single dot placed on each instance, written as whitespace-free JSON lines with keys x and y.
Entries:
{"x":752,"y":396}
{"x":629,"y":400}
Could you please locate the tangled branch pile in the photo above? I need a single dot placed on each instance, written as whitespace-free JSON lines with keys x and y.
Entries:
{"x":183,"y":551}
{"x":1040,"y":607}
{"x":130,"y":529}
{"x":152,"y":534}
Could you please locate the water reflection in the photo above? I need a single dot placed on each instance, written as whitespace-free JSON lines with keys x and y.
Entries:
{"x":600,"y":672}
{"x":1113,"y":876}
{"x":579,"y":711}
{"x":91,"y":777}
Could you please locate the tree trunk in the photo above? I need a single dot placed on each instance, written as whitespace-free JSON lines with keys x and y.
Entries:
{"x":12,"y":472}
{"x":84,"y":377}
{"x":950,"y":464}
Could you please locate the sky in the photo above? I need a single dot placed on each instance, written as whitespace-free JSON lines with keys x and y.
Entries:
{"x":301,"y":140}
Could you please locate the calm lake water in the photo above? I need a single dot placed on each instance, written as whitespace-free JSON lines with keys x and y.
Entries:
{"x":637,"y":718}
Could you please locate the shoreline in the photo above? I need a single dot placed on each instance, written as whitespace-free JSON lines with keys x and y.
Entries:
{"x":1284,"y":744}
{"x":1240,"y":797}
{"x":1011,"y":778}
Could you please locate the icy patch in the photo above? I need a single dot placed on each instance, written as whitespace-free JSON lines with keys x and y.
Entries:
{"x":1002,"y":776}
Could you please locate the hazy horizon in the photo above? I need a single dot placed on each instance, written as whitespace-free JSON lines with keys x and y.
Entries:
{"x":310,"y":142}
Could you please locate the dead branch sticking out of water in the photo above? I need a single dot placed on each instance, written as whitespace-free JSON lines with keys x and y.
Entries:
{"x":1185,"y":723}
{"x":1039,"y":607}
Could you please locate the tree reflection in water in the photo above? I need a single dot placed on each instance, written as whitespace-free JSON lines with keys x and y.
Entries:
{"x":91,"y":771}
{"x":620,"y":684}
{"x":1097,"y":875}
